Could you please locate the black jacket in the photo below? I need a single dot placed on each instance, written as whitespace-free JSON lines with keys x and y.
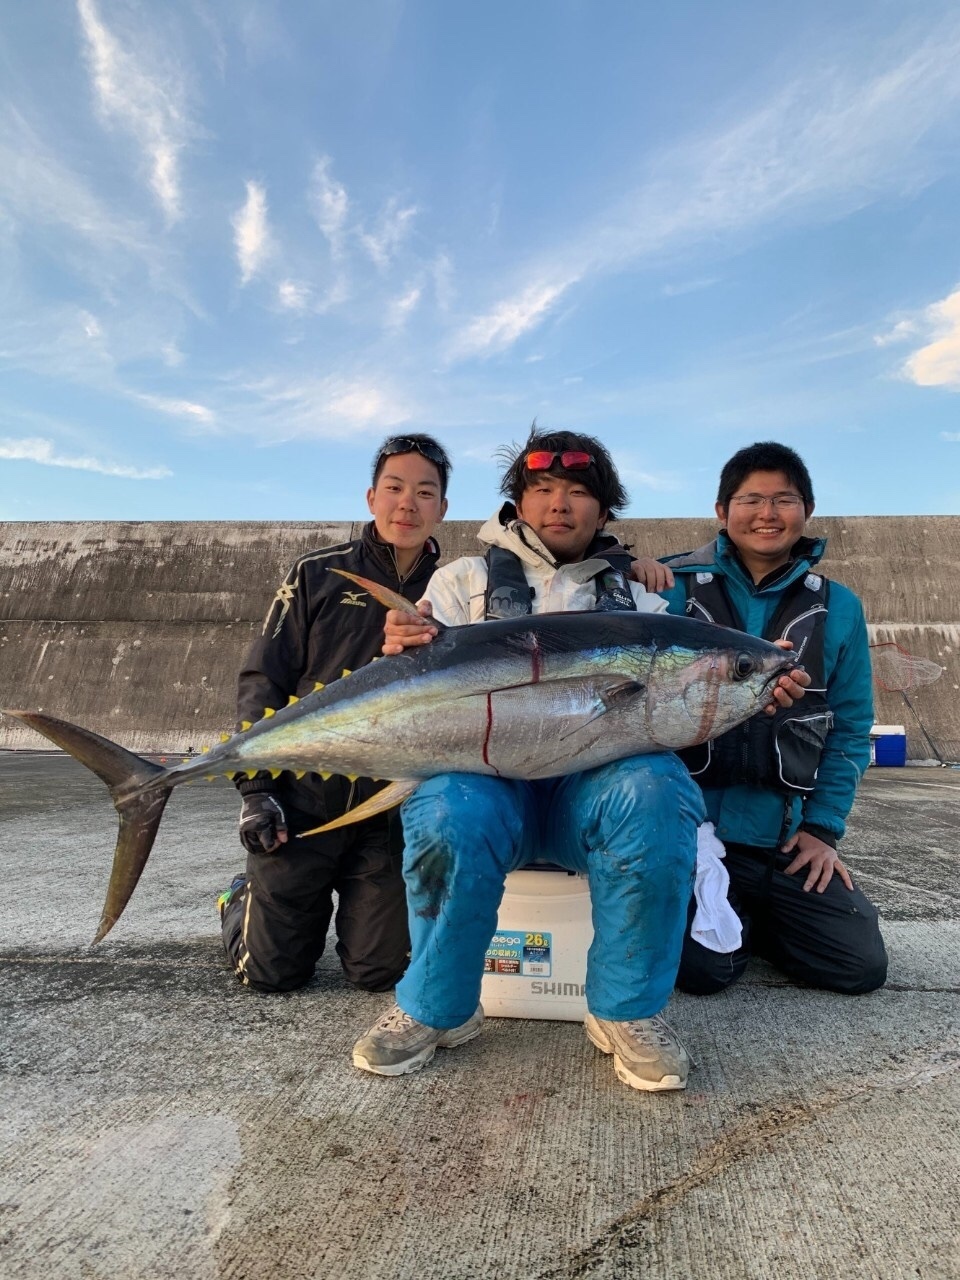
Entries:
{"x":319,"y":625}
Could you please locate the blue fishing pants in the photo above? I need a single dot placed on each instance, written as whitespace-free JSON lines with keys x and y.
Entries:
{"x":630,"y":827}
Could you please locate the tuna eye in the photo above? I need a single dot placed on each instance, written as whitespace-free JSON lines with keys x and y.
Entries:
{"x":742,"y":666}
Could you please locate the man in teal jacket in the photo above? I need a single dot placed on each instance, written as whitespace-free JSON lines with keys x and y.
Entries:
{"x":778,"y":791}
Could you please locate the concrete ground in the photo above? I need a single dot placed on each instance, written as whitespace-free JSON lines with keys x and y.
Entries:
{"x":158,"y":1120}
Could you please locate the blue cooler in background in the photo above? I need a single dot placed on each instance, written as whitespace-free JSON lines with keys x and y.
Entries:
{"x":888,"y":744}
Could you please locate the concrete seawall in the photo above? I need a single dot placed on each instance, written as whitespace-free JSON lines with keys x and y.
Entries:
{"x":137,"y":630}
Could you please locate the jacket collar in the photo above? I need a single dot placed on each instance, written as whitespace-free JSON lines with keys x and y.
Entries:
{"x":384,"y":553}
{"x":505,"y":529}
{"x":804,"y":554}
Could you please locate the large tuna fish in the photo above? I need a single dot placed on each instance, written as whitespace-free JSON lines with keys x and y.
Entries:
{"x":525,"y":698}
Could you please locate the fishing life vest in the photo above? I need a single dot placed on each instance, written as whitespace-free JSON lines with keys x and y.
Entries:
{"x":780,"y":751}
{"x":509,"y":595}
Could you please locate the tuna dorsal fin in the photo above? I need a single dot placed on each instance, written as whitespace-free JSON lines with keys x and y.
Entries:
{"x":382,"y":801}
{"x":389,"y":599}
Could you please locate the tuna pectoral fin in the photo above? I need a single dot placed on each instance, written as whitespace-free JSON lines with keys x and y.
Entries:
{"x":383,"y":800}
{"x":389,"y":599}
{"x":610,"y":696}
{"x":126,"y":775}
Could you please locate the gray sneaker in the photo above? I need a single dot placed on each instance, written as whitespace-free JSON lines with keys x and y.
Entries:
{"x":646,"y":1053}
{"x":398,"y":1043}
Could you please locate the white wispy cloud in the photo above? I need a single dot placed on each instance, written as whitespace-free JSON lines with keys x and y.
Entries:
{"x":902,"y":331}
{"x":937,"y":362}
{"x":826,"y":144}
{"x":392,"y":227}
{"x":952,"y":436}
{"x":400,"y":309}
{"x":187,"y":409}
{"x":293,"y":296}
{"x":635,"y":477}
{"x":251,"y":232}
{"x":44,"y":452}
{"x":330,"y":204}
{"x":509,"y":320}
{"x":323,"y":408}
{"x":137,"y":101}
{"x":41,"y":191}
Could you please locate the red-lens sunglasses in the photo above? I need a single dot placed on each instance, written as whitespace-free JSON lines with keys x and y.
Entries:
{"x":572,"y":459}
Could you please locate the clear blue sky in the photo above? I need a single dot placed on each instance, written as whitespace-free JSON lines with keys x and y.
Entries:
{"x":240,"y":241}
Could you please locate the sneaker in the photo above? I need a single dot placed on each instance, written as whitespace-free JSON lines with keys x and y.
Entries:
{"x":398,"y":1043}
{"x":237,"y":885}
{"x":646,"y":1053}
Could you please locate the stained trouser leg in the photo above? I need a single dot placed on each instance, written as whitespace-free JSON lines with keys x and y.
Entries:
{"x":373,"y":942}
{"x":631,"y":826}
{"x":463,"y":833}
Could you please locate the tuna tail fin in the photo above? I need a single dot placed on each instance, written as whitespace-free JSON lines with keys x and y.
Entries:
{"x":139,"y":804}
{"x":388,"y":598}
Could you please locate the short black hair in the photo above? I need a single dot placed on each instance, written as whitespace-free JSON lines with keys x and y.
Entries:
{"x":766,"y":455}
{"x":600,"y":478}
{"x":414,"y":442}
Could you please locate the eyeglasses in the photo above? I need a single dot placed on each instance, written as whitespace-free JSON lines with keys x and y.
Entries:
{"x":406,"y":444}
{"x":572,"y":459}
{"x":753,"y":501}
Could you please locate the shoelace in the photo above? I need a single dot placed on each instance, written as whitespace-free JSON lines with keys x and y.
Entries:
{"x":395,"y":1020}
{"x":650,"y":1031}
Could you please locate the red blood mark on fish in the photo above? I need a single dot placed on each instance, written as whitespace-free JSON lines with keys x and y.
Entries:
{"x":486,"y":736}
{"x":535,"y":659}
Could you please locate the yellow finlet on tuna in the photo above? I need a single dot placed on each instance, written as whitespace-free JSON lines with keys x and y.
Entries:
{"x":268,"y":712}
{"x":292,"y":699}
{"x":245,"y":725}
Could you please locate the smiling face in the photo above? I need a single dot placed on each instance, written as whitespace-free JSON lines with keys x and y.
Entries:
{"x":764,"y":534}
{"x":564,"y":514}
{"x":406,"y":504}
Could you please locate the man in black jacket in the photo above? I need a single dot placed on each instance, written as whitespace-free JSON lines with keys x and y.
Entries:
{"x":318,"y":628}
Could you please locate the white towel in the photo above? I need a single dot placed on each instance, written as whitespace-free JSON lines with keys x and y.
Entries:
{"x":716,"y":925}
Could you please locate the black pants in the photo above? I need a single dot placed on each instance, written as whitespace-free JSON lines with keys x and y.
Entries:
{"x":830,"y":940}
{"x":275,"y":927}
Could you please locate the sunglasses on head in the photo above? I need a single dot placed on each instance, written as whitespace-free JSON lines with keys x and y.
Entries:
{"x":404,"y":444}
{"x":571,"y":459}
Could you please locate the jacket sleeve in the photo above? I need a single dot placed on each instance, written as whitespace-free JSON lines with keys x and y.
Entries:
{"x":846,"y":754}
{"x":450,"y":591}
{"x":278,"y":656}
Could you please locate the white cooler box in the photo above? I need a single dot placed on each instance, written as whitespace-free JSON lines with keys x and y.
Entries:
{"x":536,"y":965}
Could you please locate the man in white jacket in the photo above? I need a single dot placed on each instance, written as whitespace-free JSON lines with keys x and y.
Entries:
{"x":629,"y":826}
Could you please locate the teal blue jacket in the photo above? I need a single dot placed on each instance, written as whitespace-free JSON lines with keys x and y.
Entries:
{"x":754,"y":815}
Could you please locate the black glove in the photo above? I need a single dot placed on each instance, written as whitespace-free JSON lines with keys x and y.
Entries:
{"x":261,"y":821}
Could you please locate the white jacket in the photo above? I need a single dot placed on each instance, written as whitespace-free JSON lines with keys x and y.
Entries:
{"x":457,"y":590}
